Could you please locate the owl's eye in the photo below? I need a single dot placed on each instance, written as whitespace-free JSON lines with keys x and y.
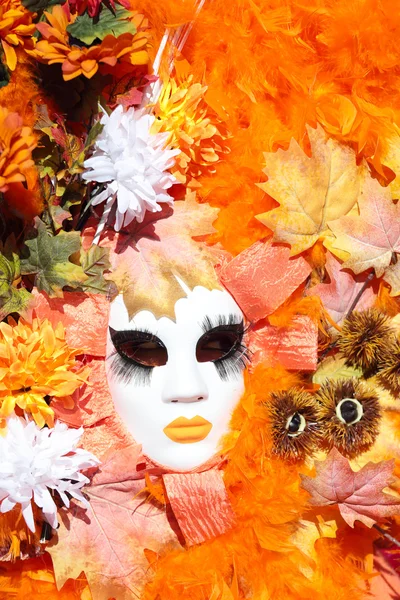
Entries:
{"x":349,"y":411}
{"x":295,"y":424}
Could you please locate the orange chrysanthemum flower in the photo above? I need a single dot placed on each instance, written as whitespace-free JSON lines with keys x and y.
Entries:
{"x":16,"y":29}
{"x":16,"y":145}
{"x":78,"y":60}
{"x":195,"y":129}
{"x":36,"y":362}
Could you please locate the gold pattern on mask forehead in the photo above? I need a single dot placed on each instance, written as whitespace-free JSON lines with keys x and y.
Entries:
{"x":148,"y":268}
{"x":164,"y":289}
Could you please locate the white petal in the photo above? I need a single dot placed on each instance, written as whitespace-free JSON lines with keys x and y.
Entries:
{"x":7,"y":505}
{"x":28,"y":516}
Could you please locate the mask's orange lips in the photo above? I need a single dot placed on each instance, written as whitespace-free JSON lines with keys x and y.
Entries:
{"x":188,"y":431}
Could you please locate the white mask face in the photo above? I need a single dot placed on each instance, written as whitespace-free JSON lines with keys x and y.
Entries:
{"x":175,"y":384}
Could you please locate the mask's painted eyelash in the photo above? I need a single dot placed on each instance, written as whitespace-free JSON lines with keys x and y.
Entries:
{"x":232,"y":363}
{"x":230,"y":320}
{"x":124,"y":370}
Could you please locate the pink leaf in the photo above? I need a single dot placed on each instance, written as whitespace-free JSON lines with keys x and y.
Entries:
{"x":372,"y":237}
{"x":107,"y":541}
{"x":358,"y":495}
{"x":134,"y":96}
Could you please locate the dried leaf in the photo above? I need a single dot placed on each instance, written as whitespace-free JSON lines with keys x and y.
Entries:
{"x":72,"y":146}
{"x":151,"y":253}
{"x":48,"y":260}
{"x":358,"y":495}
{"x":337,"y":296}
{"x":311,"y":191}
{"x":372,"y":237}
{"x":107,"y":541}
{"x":94,"y":262}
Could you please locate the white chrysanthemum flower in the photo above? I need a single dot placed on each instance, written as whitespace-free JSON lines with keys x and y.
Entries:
{"x":133,"y":163}
{"x":35,"y":461}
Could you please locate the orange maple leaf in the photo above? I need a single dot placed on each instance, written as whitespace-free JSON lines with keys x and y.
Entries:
{"x":358,"y":495}
{"x":372,"y":238}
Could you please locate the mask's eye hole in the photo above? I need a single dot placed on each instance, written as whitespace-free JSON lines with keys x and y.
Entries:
{"x":139,"y":347}
{"x":216,"y":345}
{"x":148,"y":354}
{"x":295,"y":424}
{"x":349,"y":411}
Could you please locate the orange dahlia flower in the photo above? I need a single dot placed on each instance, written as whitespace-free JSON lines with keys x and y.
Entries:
{"x":195,"y":129}
{"x":78,"y":60}
{"x":16,"y":29}
{"x":36,"y":362}
{"x":16,"y":145}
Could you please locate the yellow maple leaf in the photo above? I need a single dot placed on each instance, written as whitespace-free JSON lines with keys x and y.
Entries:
{"x":310,"y":190}
{"x":307,"y":533}
{"x":392,"y":160}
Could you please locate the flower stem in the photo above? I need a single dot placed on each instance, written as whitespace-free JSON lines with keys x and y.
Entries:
{"x":360,"y":293}
{"x":387,"y":535}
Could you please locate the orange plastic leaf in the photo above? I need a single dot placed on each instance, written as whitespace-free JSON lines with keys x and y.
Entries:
{"x":200,"y":503}
{"x":358,"y":495}
{"x":311,"y":191}
{"x":262,"y":277}
{"x":107,"y":541}
{"x":84,"y":316}
{"x":294,"y":347}
{"x":372,"y":237}
{"x":338,"y":294}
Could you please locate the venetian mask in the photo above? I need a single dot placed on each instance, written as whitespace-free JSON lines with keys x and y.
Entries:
{"x":175,"y":382}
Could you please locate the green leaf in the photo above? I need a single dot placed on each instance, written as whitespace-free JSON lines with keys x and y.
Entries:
{"x":4,"y":74}
{"x":94,"y":262}
{"x":87,"y":30}
{"x":93,"y":133}
{"x":38,"y":5}
{"x":11,"y":298}
{"x":334,"y":368}
{"x":74,"y":195}
{"x":16,"y":303}
{"x":48,"y":260}
{"x":8,"y":270}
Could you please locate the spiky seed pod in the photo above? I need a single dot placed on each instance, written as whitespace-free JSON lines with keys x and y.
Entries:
{"x":389,"y":370}
{"x":294,"y":424}
{"x":364,"y":337}
{"x":349,"y":416}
